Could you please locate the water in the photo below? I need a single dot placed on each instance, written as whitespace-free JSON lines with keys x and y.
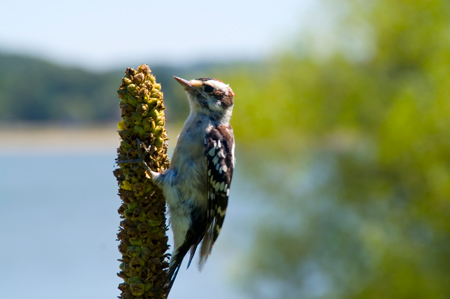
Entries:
{"x":58,"y":231}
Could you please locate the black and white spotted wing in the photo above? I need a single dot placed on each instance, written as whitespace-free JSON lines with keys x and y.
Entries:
{"x":219,"y":154}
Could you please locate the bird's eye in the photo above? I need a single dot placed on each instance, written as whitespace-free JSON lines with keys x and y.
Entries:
{"x":208,"y":88}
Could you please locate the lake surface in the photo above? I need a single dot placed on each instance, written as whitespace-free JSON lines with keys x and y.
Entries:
{"x":59,"y":223}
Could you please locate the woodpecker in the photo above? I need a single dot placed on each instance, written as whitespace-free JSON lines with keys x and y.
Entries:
{"x":197,"y":184}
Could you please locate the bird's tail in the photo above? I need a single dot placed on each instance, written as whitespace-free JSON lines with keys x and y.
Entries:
{"x":174,"y":267}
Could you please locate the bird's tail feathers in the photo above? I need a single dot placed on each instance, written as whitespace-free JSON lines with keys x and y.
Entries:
{"x":193,"y":248}
{"x":174,"y":267}
{"x":207,"y":244}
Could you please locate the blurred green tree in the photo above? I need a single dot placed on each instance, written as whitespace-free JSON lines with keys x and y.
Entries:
{"x":356,"y":150}
{"x":33,"y":90}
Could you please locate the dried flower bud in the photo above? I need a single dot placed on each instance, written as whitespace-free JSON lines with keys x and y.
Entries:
{"x":139,"y":78}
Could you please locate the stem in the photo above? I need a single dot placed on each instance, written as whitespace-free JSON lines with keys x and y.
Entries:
{"x":142,"y":232}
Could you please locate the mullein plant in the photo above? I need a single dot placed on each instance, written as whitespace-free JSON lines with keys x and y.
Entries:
{"x":142,"y":232}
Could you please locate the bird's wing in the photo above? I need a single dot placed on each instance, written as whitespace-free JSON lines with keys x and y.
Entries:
{"x":219,"y":155}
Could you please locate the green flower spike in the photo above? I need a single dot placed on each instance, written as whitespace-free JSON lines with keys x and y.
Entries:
{"x":142,"y":233}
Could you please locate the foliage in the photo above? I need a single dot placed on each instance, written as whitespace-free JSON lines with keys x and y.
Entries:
{"x":32,"y":90}
{"x":357,"y":157}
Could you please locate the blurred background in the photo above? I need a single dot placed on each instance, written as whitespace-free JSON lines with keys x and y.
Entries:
{"x":342,"y":122}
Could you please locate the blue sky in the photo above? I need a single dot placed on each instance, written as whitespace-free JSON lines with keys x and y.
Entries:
{"x":105,"y":34}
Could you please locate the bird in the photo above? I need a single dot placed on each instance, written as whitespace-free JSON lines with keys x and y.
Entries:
{"x":196,"y":186}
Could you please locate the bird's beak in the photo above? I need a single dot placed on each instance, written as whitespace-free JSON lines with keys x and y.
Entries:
{"x":185,"y":83}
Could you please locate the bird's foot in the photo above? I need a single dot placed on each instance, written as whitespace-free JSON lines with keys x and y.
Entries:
{"x":140,"y":158}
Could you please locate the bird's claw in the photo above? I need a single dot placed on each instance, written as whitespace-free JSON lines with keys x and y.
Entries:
{"x":140,"y":157}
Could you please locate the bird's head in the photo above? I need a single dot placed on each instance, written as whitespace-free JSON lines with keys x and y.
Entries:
{"x":209,"y":96}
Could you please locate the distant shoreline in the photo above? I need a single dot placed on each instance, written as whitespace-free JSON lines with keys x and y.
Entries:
{"x":50,"y":138}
